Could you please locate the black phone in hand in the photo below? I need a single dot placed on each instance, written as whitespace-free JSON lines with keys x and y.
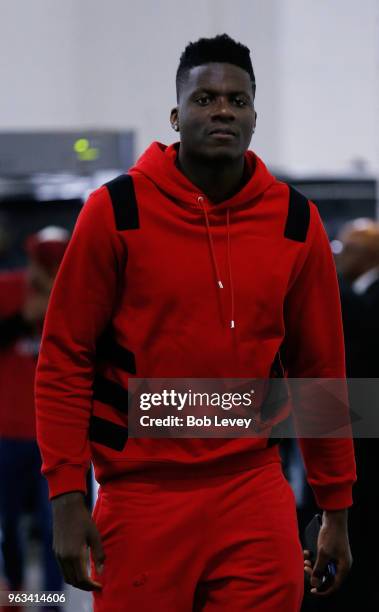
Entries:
{"x":310,"y":540}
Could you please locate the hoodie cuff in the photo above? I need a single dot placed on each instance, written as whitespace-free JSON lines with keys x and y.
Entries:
{"x":333,"y":497}
{"x":67,"y":478}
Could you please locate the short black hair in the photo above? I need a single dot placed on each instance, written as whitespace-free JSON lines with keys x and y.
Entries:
{"x":220,"y":48}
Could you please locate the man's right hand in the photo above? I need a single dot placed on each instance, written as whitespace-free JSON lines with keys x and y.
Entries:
{"x":73,"y":532}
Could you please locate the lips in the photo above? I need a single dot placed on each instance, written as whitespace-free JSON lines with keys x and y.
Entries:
{"x":222,"y":132}
{"x":222,"y":135}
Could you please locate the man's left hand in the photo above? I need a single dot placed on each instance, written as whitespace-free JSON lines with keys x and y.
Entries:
{"x":332,"y":545}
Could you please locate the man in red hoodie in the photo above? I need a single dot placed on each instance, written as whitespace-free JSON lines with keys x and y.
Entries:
{"x":198,"y":263}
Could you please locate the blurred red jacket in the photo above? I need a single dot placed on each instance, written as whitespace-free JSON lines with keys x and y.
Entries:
{"x":19,"y":347}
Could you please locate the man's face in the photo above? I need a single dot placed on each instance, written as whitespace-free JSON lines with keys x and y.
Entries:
{"x":215,"y":113}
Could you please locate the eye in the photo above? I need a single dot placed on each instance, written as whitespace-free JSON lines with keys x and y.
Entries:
{"x":239,"y":101}
{"x":203,"y":100}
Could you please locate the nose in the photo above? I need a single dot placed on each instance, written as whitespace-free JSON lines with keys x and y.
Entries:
{"x":223,"y":109}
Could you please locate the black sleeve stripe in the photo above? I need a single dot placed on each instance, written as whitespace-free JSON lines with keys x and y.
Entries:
{"x":124,"y":202}
{"x":107,"y":433}
{"x":298,"y":216}
{"x":110,"y":393}
{"x":109,"y":351}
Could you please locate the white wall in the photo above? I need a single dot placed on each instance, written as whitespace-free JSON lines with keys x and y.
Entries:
{"x":111,"y":63}
{"x":329,"y":71}
{"x":38,"y":64}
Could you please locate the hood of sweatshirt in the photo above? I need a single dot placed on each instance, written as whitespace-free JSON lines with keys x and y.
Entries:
{"x":158,"y":164}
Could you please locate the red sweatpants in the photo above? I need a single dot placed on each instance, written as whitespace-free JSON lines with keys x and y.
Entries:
{"x":213,"y":544}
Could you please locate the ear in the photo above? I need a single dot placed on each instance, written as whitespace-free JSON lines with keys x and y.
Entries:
{"x":174,"y":116}
{"x":255,"y":119}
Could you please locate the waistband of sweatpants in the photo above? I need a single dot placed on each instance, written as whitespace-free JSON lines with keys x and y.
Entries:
{"x":232,"y":464}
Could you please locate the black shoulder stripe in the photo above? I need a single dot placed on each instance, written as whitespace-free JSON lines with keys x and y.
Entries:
{"x":125,"y":209}
{"x":109,"y":351}
{"x":298,"y":216}
{"x":107,"y":433}
{"x":111,"y":393}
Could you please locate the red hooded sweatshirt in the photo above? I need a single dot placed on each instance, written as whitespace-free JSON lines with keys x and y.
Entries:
{"x":139,"y":295}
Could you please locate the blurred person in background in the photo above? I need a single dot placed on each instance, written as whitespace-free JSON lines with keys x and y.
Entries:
{"x":4,"y":240}
{"x":358,"y":267}
{"x":24,"y":296}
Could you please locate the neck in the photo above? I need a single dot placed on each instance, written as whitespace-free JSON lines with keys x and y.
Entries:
{"x":219,"y":180}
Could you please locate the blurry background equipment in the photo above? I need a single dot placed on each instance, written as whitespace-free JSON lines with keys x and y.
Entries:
{"x":46,"y":176}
